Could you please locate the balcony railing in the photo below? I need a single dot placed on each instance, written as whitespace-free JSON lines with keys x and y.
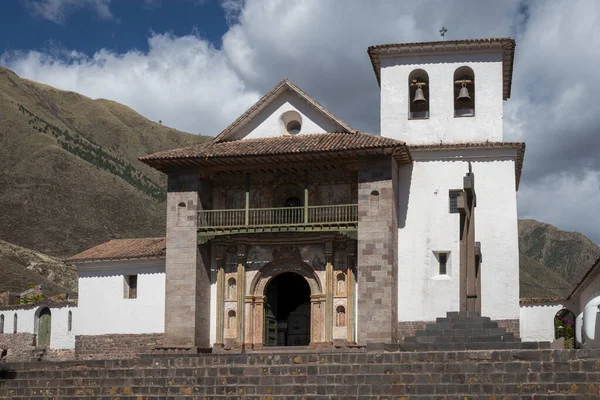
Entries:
{"x":288,"y":218}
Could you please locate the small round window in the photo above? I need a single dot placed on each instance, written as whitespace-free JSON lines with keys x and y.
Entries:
{"x":291,"y":122}
{"x":293,"y":127}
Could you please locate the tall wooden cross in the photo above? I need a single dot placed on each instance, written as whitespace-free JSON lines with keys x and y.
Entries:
{"x":470,"y":251}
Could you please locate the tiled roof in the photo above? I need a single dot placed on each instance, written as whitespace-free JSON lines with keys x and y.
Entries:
{"x":123,"y":249}
{"x":519,"y":146}
{"x":537,"y":300}
{"x":590,"y":274}
{"x":283,"y":86}
{"x":283,"y":145}
{"x":506,"y":45}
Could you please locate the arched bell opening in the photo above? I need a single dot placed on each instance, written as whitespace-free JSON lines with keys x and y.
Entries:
{"x":287,"y":311}
{"x":418,"y":94}
{"x":464,"y":92}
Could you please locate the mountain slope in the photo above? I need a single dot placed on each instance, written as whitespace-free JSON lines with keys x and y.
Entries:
{"x":567,"y":254}
{"x":23,"y":268}
{"x":536,"y":280}
{"x":69,"y":174}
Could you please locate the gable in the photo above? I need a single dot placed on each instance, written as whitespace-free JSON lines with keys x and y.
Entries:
{"x":272,"y":121}
{"x":284,"y":107}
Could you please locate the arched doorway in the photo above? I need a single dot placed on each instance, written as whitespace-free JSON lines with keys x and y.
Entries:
{"x":564,"y":328}
{"x":287,"y":311}
{"x":44,"y":323}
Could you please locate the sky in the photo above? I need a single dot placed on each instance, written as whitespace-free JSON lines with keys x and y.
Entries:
{"x":196,"y":65}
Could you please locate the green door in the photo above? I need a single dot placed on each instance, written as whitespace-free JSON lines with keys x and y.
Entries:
{"x":270,"y":327}
{"x":44,"y":324}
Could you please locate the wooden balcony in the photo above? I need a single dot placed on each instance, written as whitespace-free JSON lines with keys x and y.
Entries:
{"x":280,"y":219}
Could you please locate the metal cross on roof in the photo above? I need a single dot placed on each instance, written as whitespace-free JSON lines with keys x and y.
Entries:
{"x":443,"y":32}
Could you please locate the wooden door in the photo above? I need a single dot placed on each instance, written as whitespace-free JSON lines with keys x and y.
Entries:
{"x":44,"y":324}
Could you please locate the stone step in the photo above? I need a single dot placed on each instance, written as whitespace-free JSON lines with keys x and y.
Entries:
{"x":461,"y":325}
{"x":461,"y":332}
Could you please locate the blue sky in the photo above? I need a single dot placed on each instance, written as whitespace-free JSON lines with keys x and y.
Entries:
{"x":196,"y":65}
{"x":131,"y":23}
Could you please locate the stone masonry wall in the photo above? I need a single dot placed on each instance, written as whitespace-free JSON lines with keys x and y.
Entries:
{"x":511,"y":326}
{"x":187,"y":303}
{"x":18,"y":346}
{"x":377,"y":266}
{"x":505,"y":374}
{"x":409,"y":328}
{"x":115,"y":346}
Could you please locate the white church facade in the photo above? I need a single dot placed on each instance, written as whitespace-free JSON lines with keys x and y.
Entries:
{"x":291,"y":228}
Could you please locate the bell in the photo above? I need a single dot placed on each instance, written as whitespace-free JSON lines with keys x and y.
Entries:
{"x":463,"y":95}
{"x":419,"y":97}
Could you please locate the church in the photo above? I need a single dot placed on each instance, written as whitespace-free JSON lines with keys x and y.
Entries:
{"x":292,"y":228}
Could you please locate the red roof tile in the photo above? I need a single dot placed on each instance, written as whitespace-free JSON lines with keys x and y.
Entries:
{"x":123,"y":249}
{"x":299,"y":144}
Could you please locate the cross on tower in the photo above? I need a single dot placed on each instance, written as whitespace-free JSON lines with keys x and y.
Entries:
{"x":470,"y":250}
{"x":443,"y":32}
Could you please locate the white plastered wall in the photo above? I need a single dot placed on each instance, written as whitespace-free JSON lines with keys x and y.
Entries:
{"x":60,"y":336}
{"x":269,"y":123}
{"x":425,"y":226}
{"x":442,"y":126}
{"x":102,"y":306}
{"x":537,"y":321}
{"x":591,"y":291}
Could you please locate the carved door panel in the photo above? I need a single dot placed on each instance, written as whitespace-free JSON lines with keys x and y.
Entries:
{"x":270,"y":327}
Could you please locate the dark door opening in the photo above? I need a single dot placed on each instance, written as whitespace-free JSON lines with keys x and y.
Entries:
{"x":287,"y":311}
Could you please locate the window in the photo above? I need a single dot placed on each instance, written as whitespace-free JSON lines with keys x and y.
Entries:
{"x":418,"y":94}
{"x":15,"y":323}
{"x":70,"y":322}
{"x":374,"y":201}
{"x":131,"y":286}
{"x":1,"y":323}
{"x":292,"y":122}
{"x":443,"y":261}
{"x":464,"y":92}
{"x":453,"y":195}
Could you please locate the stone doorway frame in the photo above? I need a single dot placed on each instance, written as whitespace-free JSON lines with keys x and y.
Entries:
{"x":255,"y":301}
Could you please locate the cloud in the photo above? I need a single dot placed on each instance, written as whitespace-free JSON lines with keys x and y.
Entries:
{"x":192,"y":85}
{"x":58,"y":10}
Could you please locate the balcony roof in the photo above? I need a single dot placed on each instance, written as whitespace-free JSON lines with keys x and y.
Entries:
{"x":307,"y":147}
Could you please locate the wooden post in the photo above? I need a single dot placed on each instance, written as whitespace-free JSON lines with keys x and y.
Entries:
{"x":306,"y":196}
{"x":247,"y":211}
{"x":470,"y":284}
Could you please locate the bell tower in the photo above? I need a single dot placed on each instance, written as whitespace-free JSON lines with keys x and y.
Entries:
{"x":444,"y":92}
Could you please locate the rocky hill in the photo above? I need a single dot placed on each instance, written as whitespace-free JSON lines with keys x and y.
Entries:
{"x":566,"y":254}
{"x":69,"y":174}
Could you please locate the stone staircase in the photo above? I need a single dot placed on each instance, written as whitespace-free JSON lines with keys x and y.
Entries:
{"x":465,"y":331}
{"x":477,"y":374}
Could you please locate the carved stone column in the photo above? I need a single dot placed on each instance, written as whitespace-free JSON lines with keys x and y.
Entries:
{"x":259,"y":322}
{"x":220,"y":258}
{"x":241,"y":293}
{"x":329,"y":292}
{"x":350,"y":299}
{"x":318,"y":322}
